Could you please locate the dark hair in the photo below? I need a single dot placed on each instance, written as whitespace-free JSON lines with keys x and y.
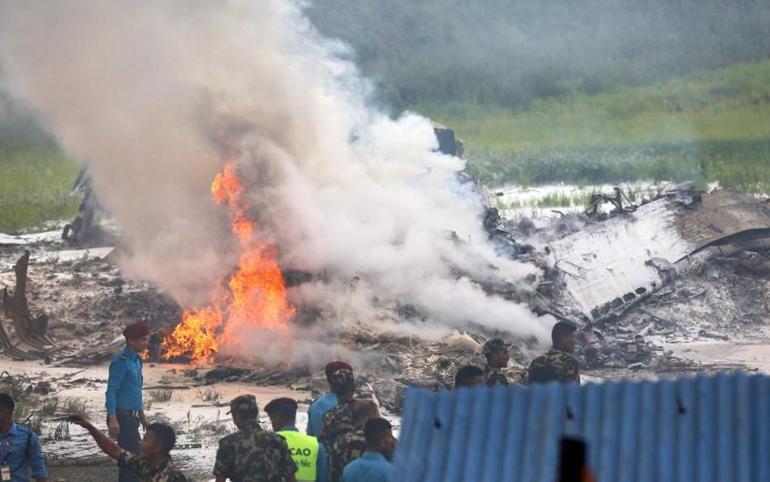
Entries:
{"x":466,"y":374}
{"x":374,"y":429}
{"x":284,"y":409}
{"x":560,"y":330}
{"x":165,"y":434}
{"x":7,"y":402}
{"x":363,"y":409}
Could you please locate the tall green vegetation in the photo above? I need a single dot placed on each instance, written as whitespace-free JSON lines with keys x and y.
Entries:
{"x":35,"y":187}
{"x":585,"y":92}
{"x":510,"y":52}
{"x":540,"y":90}
{"x":712,"y":126}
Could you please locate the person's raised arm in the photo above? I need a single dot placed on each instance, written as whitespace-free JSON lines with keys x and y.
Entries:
{"x":104,"y":442}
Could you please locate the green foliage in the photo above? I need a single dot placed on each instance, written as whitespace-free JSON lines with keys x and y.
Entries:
{"x":736,"y":164}
{"x":512,"y":52}
{"x":35,"y":186}
{"x":709,"y":126}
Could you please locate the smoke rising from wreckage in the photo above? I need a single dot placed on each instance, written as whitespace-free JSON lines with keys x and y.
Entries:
{"x":334,"y":230}
{"x":338,"y":187}
{"x":698,"y":259}
{"x":376,"y":228}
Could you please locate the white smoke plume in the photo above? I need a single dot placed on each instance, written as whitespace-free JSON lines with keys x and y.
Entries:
{"x":145,"y":92}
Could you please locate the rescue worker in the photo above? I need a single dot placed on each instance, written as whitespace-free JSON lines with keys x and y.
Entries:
{"x":351,"y":445}
{"x":307,"y":452}
{"x":19,"y":447}
{"x":469,"y":376}
{"x":339,"y":420}
{"x":496,"y":353}
{"x":325,"y":402}
{"x":559,"y":364}
{"x":124,"y":394}
{"x":374,"y":465}
{"x":251,"y":454}
{"x":154,"y":463}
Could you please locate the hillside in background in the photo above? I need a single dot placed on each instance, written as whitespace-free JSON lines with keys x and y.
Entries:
{"x":541,"y":91}
{"x":509,"y":52}
{"x":558,"y":91}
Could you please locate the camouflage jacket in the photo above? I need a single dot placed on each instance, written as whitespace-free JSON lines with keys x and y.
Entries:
{"x":147,"y":473}
{"x":495,"y":376}
{"x":347,"y":448}
{"x":253,"y":455}
{"x":554,"y":366}
{"x":337,"y":421}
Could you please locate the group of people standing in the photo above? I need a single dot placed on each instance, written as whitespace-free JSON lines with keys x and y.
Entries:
{"x":347,"y":439}
{"x":559,"y":364}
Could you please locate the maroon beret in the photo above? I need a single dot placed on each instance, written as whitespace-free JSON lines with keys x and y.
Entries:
{"x":334,"y":366}
{"x":283,"y":402}
{"x":136,"y":330}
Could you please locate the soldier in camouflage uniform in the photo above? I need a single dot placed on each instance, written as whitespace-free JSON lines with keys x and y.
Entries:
{"x":558,"y":365}
{"x":496,"y":352}
{"x":251,"y":454}
{"x":339,"y":420}
{"x":351,"y":445}
{"x":154,"y":463}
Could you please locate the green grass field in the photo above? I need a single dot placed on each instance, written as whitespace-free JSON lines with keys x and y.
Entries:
{"x":711,"y":126}
{"x":35,"y":187}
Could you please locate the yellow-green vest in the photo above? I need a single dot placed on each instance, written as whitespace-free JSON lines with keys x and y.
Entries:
{"x":304,"y":450}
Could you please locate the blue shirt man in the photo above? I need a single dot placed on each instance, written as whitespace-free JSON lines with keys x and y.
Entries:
{"x":124,"y":385}
{"x":373,"y":465}
{"x":19,"y":447}
{"x":370,"y":467}
{"x":124,"y":394}
{"x":316,"y":411}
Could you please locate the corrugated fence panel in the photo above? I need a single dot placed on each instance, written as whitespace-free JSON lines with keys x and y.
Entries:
{"x":698,"y":429}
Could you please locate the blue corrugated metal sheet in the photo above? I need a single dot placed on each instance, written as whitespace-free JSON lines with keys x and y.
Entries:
{"x":703,"y":429}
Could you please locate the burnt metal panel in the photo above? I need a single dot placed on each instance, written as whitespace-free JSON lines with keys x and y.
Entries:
{"x":707,"y":428}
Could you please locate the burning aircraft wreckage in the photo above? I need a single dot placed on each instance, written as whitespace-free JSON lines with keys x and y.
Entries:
{"x":684,"y":266}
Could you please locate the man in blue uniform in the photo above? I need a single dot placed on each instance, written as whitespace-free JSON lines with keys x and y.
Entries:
{"x":19,"y":448}
{"x":373,"y":465}
{"x":325,"y":402}
{"x":124,"y":394}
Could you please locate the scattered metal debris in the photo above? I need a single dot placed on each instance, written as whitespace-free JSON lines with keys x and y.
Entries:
{"x":30,"y":331}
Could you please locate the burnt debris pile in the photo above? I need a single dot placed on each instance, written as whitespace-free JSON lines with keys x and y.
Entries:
{"x":683,"y":267}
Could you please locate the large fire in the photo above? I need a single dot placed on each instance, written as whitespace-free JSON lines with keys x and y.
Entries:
{"x":252,"y":299}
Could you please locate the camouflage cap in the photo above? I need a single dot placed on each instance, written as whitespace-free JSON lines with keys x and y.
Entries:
{"x":493,"y":345}
{"x":244,"y":405}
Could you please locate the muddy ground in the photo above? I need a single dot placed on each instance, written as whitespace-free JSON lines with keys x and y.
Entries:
{"x":198,"y":413}
{"x":714,"y":319}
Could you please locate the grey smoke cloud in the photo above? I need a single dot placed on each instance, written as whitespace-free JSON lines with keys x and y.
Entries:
{"x":145,"y":92}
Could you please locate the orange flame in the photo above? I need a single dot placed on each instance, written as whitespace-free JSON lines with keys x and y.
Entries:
{"x":254,"y":297}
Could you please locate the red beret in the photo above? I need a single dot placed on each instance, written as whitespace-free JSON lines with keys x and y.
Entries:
{"x":136,"y":330}
{"x":332,"y":367}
